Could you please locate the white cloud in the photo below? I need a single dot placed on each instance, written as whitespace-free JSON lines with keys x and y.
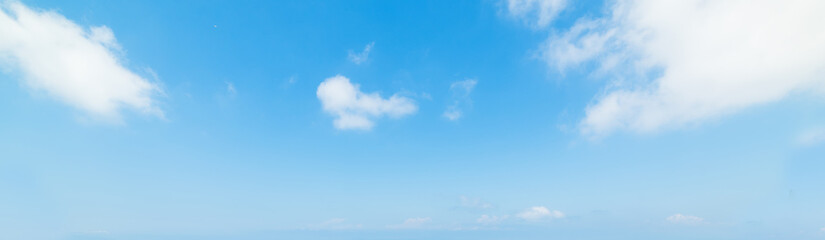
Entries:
{"x":684,"y":219}
{"x":822,"y":229}
{"x":491,"y":219}
{"x":412,"y":223}
{"x":676,"y":63}
{"x":460,"y":91}
{"x":361,"y":57}
{"x":354,"y":109}
{"x":539,"y":213}
{"x":536,"y":13}
{"x":78,"y":66}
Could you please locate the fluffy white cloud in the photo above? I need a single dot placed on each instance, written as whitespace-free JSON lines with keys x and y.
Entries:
{"x":461,"y":98}
{"x":537,"y":13}
{"x":361,"y":57}
{"x":539,"y":213}
{"x":412,"y":223}
{"x":684,"y":219}
{"x":354,"y":109}
{"x":78,"y":66}
{"x":676,"y":63}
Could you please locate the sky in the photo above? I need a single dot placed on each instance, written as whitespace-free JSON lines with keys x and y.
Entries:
{"x":483,"y":120}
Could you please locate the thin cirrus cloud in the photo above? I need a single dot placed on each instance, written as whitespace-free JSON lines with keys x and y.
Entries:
{"x":677,"y":63}
{"x":75,"y":65}
{"x":361,"y":57}
{"x":460,"y":98}
{"x":356,"y":110}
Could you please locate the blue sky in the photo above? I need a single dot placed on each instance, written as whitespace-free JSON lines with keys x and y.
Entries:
{"x":519,"y":119}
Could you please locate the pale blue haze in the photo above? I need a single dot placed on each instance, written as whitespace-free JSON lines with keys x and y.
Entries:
{"x":266,"y":162}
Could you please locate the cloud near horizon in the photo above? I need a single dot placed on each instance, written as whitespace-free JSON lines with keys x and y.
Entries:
{"x":684,"y":219}
{"x":677,"y":63}
{"x":354,"y":109}
{"x":491,"y":219}
{"x":75,"y":65}
{"x":412,"y":223}
{"x":539,"y":213}
{"x":336,"y":224}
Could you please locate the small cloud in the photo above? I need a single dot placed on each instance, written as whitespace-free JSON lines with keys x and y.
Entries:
{"x":426,"y":96}
{"x":354,"y":109}
{"x":491,"y":219}
{"x":684,"y":219}
{"x":289,"y":81}
{"x":230,"y":89}
{"x":361,"y":57}
{"x":336,"y":224}
{"x":452,"y":113}
{"x":474,"y":203}
{"x":460,"y":97}
{"x":412,"y":223}
{"x":539,"y":213}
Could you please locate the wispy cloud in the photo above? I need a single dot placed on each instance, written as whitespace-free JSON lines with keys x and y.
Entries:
{"x":491,"y":219}
{"x":354,"y":109}
{"x":230,"y":89}
{"x":468,"y":202}
{"x":811,"y":136}
{"x":460,"y":91}
{"x":361,"y":57}
{"x":412,"y":223}
{"x":79,"y":66}
{"x":536,"y":13}
{"x":336,"y":224}
{"x":684,"y":219}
